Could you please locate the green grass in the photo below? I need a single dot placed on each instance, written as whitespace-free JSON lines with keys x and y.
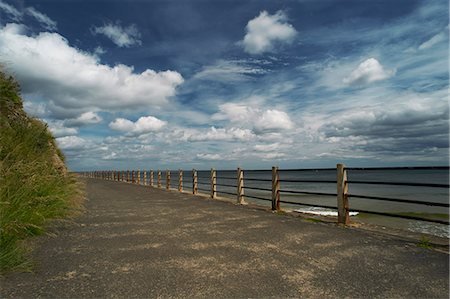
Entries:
{"x":34,"y":185}
{"x":425,"y":243}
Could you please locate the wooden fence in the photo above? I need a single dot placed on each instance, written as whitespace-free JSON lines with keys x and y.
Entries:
{"x":342,"y":195}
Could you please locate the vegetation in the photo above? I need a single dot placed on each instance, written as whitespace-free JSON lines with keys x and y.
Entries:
{"x":34,"y":183}
{"x":425,"y":243}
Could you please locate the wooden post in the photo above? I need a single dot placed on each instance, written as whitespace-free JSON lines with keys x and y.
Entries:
{"x":342,"y":195}
{"x":240,"y":186}
{"x":159,"y":178}
{"x":275,"y":189}
{"x":168,"y":180}
{"x":180,"y":180}
{"x":128,"y":176}
{"x":145,"y":177}
{"x":151,"y":177}
{"x":213,"y":183}
{"x":194,"y":182}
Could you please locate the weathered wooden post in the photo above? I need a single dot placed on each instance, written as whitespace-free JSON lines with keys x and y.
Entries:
{"x":139,"y":177}
{"x":168,"y":180}
{"x":133,"y":177}
{"x":180,"y":180}
{"x":145,"y":178}
{"x":194,"y":182}
{"x":213,"y":183}
{"x":159,"y":178}
{"x":275,"y":189}
{"x":151,"y":177}
{"x":240,"y":186}
{"x":342,"y":195}
{"x":127,"y":178}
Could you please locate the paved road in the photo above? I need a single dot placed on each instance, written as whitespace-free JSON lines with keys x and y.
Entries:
{"x":136,"y":242}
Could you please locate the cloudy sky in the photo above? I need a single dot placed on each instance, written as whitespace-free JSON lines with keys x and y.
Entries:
{"x":182,"y":84}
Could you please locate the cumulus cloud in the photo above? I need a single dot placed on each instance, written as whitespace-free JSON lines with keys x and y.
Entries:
{"x":221,"y":134}
{"x":368,"y":71}
{"x":84,"y":119}
{"x":59,"y":130}
{"x":272,"y":120}
{"x":121,"y":36}
{"x":11,"y":11}
{"x":71,"y":142}
{"x":261,"y":121}
{"x":73,"y":81}
{"x":46,"y":22}
{"x":413,"y":125}
{"x":145,"y":124}
{"x":265,"y":30}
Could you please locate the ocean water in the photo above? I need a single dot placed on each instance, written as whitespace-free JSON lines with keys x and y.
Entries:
{"x":416,"y":193}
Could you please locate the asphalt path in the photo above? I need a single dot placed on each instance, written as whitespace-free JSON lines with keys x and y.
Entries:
{"x":141,"y":242}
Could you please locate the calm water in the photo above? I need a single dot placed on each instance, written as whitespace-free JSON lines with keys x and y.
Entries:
{"x":440,"y":195}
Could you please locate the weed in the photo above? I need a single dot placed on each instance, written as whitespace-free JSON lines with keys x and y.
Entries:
{"x":425,"y":243}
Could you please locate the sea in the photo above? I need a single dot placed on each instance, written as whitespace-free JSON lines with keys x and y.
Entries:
{"x":261,"y":179}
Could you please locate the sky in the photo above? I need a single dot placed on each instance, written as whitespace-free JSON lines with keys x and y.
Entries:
{"x":225,"y":84}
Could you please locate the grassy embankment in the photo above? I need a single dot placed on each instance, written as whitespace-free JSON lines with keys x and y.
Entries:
{"x":34,"y":184}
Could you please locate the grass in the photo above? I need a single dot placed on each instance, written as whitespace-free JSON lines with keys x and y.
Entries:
{"x":34,"y":184}
{"x":425,"y":243}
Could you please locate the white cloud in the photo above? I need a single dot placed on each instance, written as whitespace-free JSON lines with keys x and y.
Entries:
{"x":73,"y":81}
{"x":143,"y":125}
{"x":440,"y":37}
{"x":210,"y":157}
{"x":273,"y":120}
{"x":11,"y":11}
{"x":259,"y":120}
{"x":71,"y":142}
{"x":59,"y":130}
{"x":48,"y":23}
{"x":121,"y":36}
{"x":221,"y":134}
{"x":264,"y":30}
{"x":267,"y":147}
{"x":368,"y":71}
{"x":35,"y":109}
{"x":84,"y":119}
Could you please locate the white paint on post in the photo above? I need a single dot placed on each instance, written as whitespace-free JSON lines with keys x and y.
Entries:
{"x":240,"y":186}
{"x":194,"y":182}
{"x":342,"y":195}
{"x":213,"y":183}
{"x":180,"y":180}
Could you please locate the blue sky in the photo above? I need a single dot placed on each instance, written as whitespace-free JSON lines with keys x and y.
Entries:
{"x":200,"y":84}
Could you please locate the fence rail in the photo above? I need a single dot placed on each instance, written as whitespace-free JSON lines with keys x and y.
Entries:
{"x":160,"y":178}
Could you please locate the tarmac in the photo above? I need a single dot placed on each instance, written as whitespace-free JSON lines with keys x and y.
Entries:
{"x":142,"y":242}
